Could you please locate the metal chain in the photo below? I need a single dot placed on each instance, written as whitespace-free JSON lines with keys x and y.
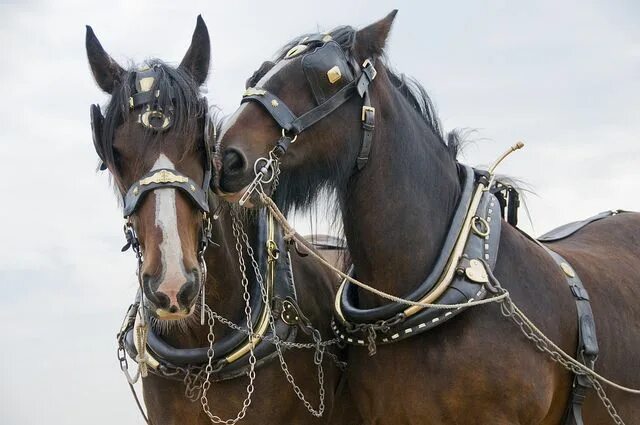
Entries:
{"x":210,"y":353}
{"x":511,"y":311}
{"x":319,"y":349}
{"x":273,"y":338}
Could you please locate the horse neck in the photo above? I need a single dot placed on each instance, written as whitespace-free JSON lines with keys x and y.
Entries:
{"x":223,"y":288}
{"x":397,"y":210}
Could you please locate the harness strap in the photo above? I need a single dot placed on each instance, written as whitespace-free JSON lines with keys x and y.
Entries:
{"x":278,"y":110}
{"x":587,"y":351}
{"x":289,"y":122}
{"x":368,"y":125}
{"x":311,"y":117}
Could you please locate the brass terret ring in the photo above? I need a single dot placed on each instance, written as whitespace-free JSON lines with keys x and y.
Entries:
{"x":481,"y":230}
{"x":272,"y":250}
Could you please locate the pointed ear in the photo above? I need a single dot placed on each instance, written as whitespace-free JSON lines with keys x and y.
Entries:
{"x":196,"y":61}
{"x":106,"y":71}
{"x":370,"y":40}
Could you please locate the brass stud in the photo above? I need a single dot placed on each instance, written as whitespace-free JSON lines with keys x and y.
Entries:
{"x":296,"y":50}
{"x":136,"y":190}
{"x":146,"y":83}
{"x":334,"y":74}
{"x":274,"y":103}
{"x":566,"y":268}
{"x":193,"y":188}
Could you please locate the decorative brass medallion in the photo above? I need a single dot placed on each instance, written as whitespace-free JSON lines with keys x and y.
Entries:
{"x":163,"y":176}
{"x":476,"y":272}
{"x":146,"y":117}
{"x":334,"y":74}
{"x":146,"y":83}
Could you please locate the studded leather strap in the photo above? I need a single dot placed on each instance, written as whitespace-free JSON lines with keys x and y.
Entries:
{"x":587,"y":351}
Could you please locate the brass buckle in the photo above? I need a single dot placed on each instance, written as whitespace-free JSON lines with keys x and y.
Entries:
{"x":366,"y":109}
{"x":367,"y":63}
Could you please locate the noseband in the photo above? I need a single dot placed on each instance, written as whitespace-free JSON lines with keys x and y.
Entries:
{"x":327,"y":68}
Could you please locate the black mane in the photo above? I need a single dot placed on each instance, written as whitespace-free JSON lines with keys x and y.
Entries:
{"x":186,"y":103}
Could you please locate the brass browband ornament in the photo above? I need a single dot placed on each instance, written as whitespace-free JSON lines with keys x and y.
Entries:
{"x":253,"y":91}
{"x":163,"y":176}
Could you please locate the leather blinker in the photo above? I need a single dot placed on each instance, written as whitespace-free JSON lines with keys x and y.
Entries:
{"x":327,"y":70}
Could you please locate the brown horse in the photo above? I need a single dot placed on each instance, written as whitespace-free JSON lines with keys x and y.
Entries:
{"x":154,"y":141}
{"x":333,"y":123}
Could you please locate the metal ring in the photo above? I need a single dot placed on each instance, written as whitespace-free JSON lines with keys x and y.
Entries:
{"x":484,"y":232}
{"x":285,"y":135}
{"x":272,"y":250}
{"x":270,"y":172}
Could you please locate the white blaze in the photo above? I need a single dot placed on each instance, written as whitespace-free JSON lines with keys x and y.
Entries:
{"x":170,"y":247}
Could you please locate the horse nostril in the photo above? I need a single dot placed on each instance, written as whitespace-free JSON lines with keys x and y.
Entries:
{"x":233,"y":162}
{"x":188,"y":293}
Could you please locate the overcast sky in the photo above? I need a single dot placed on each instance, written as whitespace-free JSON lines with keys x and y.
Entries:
{"x":560,"y":75}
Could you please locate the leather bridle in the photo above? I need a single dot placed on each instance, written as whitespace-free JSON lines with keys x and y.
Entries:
{"x":152,"y":117}
{"x":321,"y":50}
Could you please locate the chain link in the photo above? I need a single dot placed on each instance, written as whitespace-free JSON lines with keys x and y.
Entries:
{"x":204,"y":401}
{"x":319,"y":348}
{"x":509,"y":310}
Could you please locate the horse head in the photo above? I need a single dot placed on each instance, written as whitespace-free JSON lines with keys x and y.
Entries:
{"x":154,"y":140}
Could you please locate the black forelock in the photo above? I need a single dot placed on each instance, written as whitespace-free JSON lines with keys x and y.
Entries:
{"x":186,"y":102}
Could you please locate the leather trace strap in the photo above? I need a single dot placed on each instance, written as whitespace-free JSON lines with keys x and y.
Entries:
{"x":587,"y":351}
{"x":294,"y":125}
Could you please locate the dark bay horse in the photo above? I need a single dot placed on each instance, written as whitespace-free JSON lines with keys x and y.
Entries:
{"x":155,"y":142}
{"x":333,"y":123}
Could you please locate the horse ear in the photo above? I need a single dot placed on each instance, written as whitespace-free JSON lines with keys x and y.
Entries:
{"x":370,"y":40}
{"x":106,"y":71}
{"x":196,"y":60}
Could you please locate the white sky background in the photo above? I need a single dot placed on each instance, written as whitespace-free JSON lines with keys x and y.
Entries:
{"x":562,"y":76}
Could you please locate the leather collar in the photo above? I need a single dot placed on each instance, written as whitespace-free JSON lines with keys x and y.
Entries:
{"x":353,"y":324}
